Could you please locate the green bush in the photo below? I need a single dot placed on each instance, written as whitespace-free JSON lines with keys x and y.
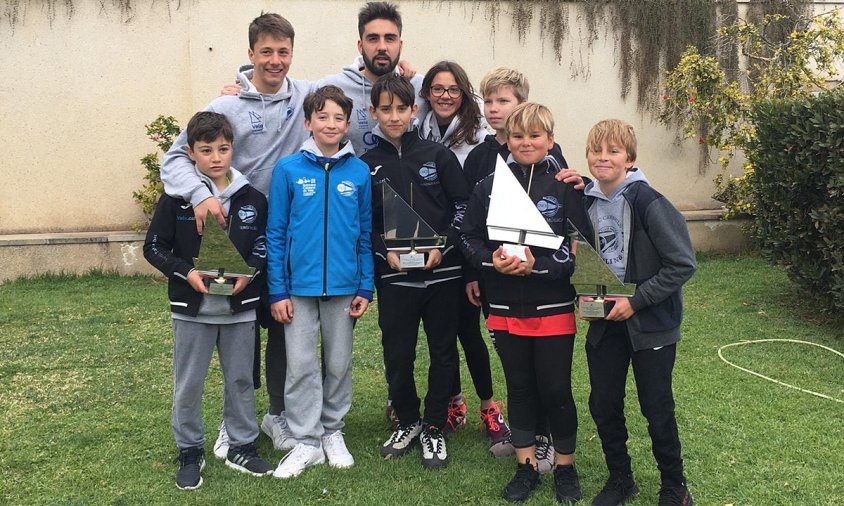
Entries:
{"x":798,"y":156}
{"x":163,"y":130}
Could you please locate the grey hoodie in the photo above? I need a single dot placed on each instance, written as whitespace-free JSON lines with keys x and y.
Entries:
{"x":359,"y":88}
{"x":266,"y":128}
{"x":612,"y":221}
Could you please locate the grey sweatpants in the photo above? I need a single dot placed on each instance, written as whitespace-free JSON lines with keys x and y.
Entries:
{"x":316,"y":402}
{"x":193,"y":345}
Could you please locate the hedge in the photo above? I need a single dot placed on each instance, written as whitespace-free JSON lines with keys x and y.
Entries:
{"x":798,"y":188}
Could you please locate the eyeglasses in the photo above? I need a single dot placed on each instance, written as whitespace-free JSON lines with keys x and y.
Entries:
{"x":453,"y":91}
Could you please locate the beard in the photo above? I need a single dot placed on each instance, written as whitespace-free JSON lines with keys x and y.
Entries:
{"x":377,"y":68}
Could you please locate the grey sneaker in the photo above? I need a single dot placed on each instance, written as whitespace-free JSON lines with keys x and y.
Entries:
{"x":275,"y":426}
{"x":191,"y":463}
{"x":221,"y":445}
{"x":434,"y":453}
{"x":245,"y":459}
{"x":402,"y":439}
{"x":544,"y":455}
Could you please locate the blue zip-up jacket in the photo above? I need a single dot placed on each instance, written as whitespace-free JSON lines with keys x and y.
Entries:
{"x":320,"y":224}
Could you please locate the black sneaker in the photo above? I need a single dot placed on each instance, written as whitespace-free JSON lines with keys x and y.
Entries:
{"x":619,"y":489}
{"x":676,"y":495}
{"x":402,"y":440}
{"x":191,"y":463}
{"x":245,"y":459}
{"x":434,"y":454}
{"x":567,"y":484}
{"x":522,"y":484}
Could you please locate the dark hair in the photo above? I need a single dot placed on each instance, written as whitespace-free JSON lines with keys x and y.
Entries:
{"x":207,"y":126}
{"x":272,"y":24}
{"x":396,"y":86}
{"x":469,"y":114}
{"x":315,"y":101}
{"x":378,"y":10}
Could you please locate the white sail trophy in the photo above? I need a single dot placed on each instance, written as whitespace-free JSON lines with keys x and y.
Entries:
{"x":513,"y":217}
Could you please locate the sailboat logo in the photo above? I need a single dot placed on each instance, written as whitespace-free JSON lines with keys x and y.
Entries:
{"x":429,"y":172}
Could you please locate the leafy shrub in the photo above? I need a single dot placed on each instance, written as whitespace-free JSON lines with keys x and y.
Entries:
{"x":162,"y":131}
{"x":798,"y":188}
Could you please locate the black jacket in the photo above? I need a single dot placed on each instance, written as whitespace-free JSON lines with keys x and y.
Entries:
{"x":172,"y":243}
{"x":546,"y":291}
{"x":440,"y":194}
{"x":481,"y":160}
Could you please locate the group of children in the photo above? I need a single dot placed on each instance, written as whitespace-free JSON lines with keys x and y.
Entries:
{"x":319,"y":256}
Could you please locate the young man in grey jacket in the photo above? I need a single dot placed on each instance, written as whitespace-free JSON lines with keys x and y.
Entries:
{"x":268,"y":122}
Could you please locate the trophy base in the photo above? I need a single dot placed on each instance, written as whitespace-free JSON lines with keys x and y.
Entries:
{"x":412,"y":260}
{"x":598,"y":308}
{"x":216,"y":287}
{"x":517,"y":250}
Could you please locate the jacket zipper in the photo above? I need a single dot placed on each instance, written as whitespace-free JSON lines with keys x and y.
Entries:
{"x":325,"y":237}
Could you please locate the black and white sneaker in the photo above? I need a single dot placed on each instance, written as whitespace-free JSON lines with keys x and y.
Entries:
{"x":404,"y":437}
{"x":434,"y":454}
{"x":191,"y":464}
{"x":245,"y":459}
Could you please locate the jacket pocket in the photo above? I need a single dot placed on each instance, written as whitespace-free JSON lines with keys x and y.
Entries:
{"x":664,"y":316}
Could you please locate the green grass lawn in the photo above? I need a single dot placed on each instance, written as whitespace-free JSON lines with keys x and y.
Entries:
{"x":86,"y":385}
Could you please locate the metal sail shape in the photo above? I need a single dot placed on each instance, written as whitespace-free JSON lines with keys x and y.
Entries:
{"x":513,"y":217}
{"x":217,"y":254}
{"x":403,"y":228}
{"x":591,"y":274}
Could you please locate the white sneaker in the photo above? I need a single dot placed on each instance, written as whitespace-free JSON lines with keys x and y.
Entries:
{"x":275,"y":426}
{"x":221,"y":445}
{"x":301,"y":457}
{"x":434,"y":453}
{"x":336,"y":451}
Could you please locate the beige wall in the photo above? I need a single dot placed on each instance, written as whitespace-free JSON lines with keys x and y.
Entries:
{"x":75,"y":95}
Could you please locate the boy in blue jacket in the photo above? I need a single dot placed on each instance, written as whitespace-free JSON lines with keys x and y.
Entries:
{"x":202,"y":321}
{"x":643,"y":240}
{"x":320,"y":277}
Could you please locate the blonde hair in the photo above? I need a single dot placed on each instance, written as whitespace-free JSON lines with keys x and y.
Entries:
{"x":530,"y":115}
{"x":612,"y":131}
{"x":499,"y":77}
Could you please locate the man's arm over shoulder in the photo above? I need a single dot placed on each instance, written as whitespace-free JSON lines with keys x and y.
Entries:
{"x":667,"y":231}
{"x":178,"y":174}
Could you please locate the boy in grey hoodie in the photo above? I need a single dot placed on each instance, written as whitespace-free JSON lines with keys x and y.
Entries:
{"x":268,"y":122}
{"x":644,"y":240}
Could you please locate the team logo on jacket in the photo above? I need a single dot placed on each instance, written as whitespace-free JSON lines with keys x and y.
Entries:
{"x":549,"y":206}
{"x":247,"y":214}
{"x":308,"y":185}
{"x":429,"y":172}
{"x":289,"y":112}
{"x":611,"y":239}
{"x":346,"y":188}
{"x":256,"y":121}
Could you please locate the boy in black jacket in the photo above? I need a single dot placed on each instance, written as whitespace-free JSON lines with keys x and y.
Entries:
{"x":427,"y":174}
{"x":202,"y":321}
{"x":530,"y":304}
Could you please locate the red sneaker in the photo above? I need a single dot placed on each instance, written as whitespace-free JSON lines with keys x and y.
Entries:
{"x":456,"y":414}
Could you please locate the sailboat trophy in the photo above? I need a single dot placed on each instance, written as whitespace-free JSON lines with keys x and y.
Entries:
{"x":514,"y":219}
{"x":405,"y":231}
{"x":219,"y":261}
{"x":593,"y":278}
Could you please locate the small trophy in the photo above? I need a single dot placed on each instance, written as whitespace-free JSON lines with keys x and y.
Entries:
{"x":593,"y":278}
{"x":514,"y":219}
{"x":219,"y":259}
{"x":405,"y":231}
